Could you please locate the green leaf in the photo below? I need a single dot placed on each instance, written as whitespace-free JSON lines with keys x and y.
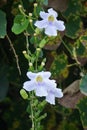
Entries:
{"x":73,"y":26}
{"x":20,"y":24}
{"x":82,"y":107}
{"x":83,"y":40}
{"x":80,"y":49}
{"x":42,"y":43}
{"x":59,"y":64}
{"x":3,"y":24}
{"x":83,"y":85}
{"x":74,"y":7}
{"x":45,"y":2}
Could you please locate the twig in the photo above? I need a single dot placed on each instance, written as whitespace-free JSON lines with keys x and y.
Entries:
{"x":16,"y":57}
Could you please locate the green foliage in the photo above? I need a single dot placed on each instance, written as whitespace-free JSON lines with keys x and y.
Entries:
{"x":83,"y":85}
{"x":3,"y":24}
{"x":80,"y":49}
{"x":45,"y":2}
{"x":74,"y":7}
{"x":83,"y":40}
{"x":72,"y":31}
{"x":59,"y":64}
{"x":82,"y":105}
{"x":20,"y":24}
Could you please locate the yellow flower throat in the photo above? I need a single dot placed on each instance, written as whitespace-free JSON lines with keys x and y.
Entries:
{"x":51,"y":18}
{"x":39,"y":78}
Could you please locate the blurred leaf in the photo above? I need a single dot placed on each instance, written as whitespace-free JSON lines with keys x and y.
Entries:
{"x":65,"y":125}
{"x":80,"y":49}
{"x":83,"y":85}
{"x":73,"y":26}
{"x":59,"y":64}
{"x":74,"y":7}
{"x":20,"y":24}
{"x":54,"y":42}
{"x":71,"y":95}
{"x":3,"y":82}
{"x":45,"y":2}
{"x":3,"y":24}
{"x":83,"y":40}
{"x":58,"y":5}
{"x":31,"y":0}
{"x":82,"y":105}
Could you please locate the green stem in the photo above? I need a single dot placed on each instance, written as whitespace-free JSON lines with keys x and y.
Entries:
{"x":66,"y":46}
{"x":75,"y":58}
{"x":32,"y":112}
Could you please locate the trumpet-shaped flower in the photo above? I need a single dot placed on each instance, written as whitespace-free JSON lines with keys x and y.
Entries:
{"x":43,"y":86}
{"x":50,"y":23}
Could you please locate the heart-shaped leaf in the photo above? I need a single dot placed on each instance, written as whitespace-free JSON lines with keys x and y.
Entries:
{"x":20,"y":24}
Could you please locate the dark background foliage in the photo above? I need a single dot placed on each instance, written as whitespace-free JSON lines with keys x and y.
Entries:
{"x":13,"y":114}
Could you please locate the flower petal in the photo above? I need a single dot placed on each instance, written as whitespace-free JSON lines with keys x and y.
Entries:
{"x":31,"y":75}
{"x":43,"y":15}
{"x":50,"y":84}
{"x":47,"y":74}
{"x":29,"y":85}
{"x":41,"y":24}
{"x":59,"y":25}
{"x":52,"y":12}
{"x":58,"y":93}
{"x":51,"y":31}
{"x":41,"y":91}
{"x":50,"y":98}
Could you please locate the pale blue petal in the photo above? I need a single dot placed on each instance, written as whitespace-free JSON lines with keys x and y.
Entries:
{"x":43,"y":15}
{"x":59,"y":25}
{"x":29,"y":85}
{"x":31,"y":75}
{"x":50,"y":98}
{"x":46,"y":74}
{"x":52,"y":12}
{"x":51,"y":31}
{"x":41,"y":24}
{"x":41,"y":91}
{"x":50,"y":84}
{"x":58,"y":93}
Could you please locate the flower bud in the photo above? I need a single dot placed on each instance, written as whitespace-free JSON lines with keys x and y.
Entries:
{"x":42,"y":64}
{"x":30,"y":64}
{"x":30,"y":20}
{"x":24,"y":94}
{"x":30,"y":14}
{"x":35,"y":4}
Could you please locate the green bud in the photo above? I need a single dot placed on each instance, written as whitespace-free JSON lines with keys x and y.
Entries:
{"x":26,"y":55}
{"x":41,"y":117}
{"x":23,"y":94}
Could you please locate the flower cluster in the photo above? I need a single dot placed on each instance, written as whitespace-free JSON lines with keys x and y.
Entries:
{"x":50,"y":23}
{"x":43,"y":86}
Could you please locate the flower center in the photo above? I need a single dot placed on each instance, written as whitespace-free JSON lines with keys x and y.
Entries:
{"x":39,"y":78}
{"x":51,"y":18}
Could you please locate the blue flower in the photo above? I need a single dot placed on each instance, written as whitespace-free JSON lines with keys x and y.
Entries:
{"x":50,"y":23}
{"x":43,"y":86}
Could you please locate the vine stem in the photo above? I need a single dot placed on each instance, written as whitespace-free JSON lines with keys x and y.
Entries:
{"x":66,"y":46}
{"x":75,"y":58}
{"x":32,"y":112}
{"x":16,"y":56}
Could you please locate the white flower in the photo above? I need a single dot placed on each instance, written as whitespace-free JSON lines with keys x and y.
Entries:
{"x":43,"y":86}
{"x":55,"y":92}
{"x":50,"y":23}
